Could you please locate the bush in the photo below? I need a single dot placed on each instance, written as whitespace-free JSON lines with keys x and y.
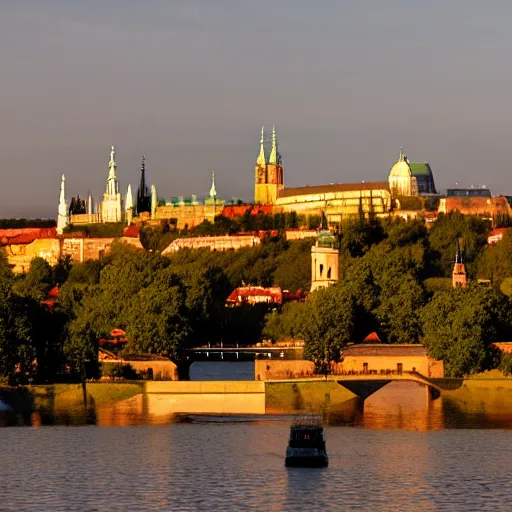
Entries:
{"x":118,"y":371}
{"x":506,"y":364}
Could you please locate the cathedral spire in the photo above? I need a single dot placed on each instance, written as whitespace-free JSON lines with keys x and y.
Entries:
{"x":458,"y":254}
{"x":274,"y":157}
{"x":213,"y":192}
{"x":143,"y":197}
{"x":63,"y":213}
{"x":261,"y":160}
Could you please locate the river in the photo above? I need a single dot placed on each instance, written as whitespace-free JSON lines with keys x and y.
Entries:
{"x":402,"y":454}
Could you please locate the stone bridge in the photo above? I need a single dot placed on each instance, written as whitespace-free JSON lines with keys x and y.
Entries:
{"x":363,"y":385}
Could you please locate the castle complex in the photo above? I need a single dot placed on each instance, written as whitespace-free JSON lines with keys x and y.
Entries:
{"x":334,"y":202}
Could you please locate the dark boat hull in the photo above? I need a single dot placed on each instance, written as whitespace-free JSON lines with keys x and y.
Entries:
{"x":320,"y":461}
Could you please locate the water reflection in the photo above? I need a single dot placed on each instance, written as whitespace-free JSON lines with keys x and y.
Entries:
{"x":397,"y":406}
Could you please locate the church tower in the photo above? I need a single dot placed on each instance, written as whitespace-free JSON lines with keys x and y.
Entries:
{"x":63,"y":214}
{"x":111,"y":207}
{"x":459,"y":278}
{"x":269,"y":176}
{"x":324,"y":262}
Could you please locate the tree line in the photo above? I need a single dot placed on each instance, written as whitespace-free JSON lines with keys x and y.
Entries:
{"x":164,"y":304}
{"x":395,"y":279}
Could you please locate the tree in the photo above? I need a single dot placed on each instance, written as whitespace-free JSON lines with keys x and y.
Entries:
{"x":207,"y":288}
{"x":401,"y":300}
{"x":77,"y":206}
{"x":358,"y":235}
{"x":156,"y":321}
{"x":444,"y":232}
{"x":460,"y":325}
{"x":293,"y":267}
{"x":61,"y":270}
{"x":495,"y":262}
{"x":17,"y":350}
{"x":5,"y":267}
{"x":37,"y":282}
{"x":327,"y":325}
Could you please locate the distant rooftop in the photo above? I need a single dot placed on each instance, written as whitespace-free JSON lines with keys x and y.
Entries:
{"x":469,"y":192}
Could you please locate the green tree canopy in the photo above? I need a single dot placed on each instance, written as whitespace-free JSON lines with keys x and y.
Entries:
{"x":459,"y":326}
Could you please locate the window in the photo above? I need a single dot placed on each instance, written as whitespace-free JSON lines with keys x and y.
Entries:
{"x":321,"y":269}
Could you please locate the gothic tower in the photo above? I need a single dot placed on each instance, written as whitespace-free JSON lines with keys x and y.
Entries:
{"x":269,"y":177}
{"x":324,"y":262}
{"x":143,"y":197}
{"x":459,"y":278}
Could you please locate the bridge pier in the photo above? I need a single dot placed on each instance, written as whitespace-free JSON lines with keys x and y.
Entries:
{"x":183,"y":368}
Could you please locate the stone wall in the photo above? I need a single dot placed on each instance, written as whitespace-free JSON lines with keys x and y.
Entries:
{"x":422,"y":364}
{"x":219,"y":397}
{"x":485,"y":206}
{"x":190,"y":216}
{"x":214,"y":243}
{"x":21,"y":255}
{"x":162,"y":370}
{"x":80,"y":219}
{"x":282,"y":369}
{"x":291,"y":369}
{"x":51,"y":249}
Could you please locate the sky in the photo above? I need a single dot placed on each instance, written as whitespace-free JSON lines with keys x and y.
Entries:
{"x":189,"y":83}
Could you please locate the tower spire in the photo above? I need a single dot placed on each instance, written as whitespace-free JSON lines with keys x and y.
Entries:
{"x":143,"y":197}
{"x":274,"y":152}
{"x":63,"y":213}
{"x":459,"y":277}
{"x":458,"y":254}
{"x":261,"y":161}
{"x":112,"y":183}
{"x":213,"y":192}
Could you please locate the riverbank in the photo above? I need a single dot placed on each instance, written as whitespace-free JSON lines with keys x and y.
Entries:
{"x":160,"y":400}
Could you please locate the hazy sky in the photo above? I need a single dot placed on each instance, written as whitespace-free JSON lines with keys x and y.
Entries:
{"x":190,"y":82}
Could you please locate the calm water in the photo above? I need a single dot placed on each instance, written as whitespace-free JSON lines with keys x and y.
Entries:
{"x":239,"y":466}
{"x":216,"y":370}
{"x":401,"y":452}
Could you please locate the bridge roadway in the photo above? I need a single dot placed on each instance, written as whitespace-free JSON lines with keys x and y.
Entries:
{"x":255,"y":350}
{"x":364,"y":385}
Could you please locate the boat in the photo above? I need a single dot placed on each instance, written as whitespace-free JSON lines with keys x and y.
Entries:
{"x":306,"y":446}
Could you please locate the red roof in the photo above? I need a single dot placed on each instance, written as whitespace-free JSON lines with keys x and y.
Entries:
{"x":254,"y":294}
{"x":496,"y":235}
{"x":298,"y":296}
{"x":54,"y":292}
{"x":131,"y":231}
{"x":25,"y":235}
{"x":51,"y":298}
{"x":116,"y":336}
{"x":240,"y":210}
{"x":373,"y":337}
